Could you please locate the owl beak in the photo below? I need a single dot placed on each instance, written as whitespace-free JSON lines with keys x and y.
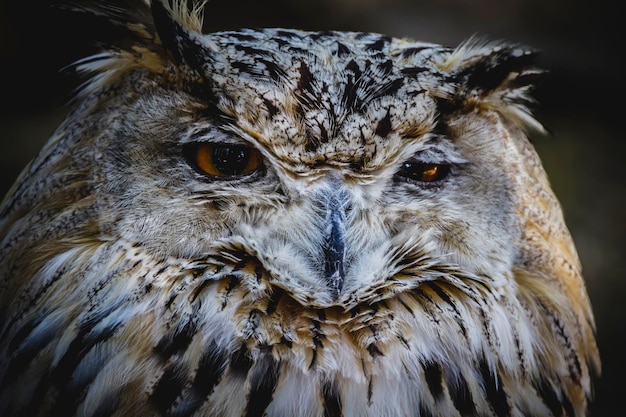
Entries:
{"x":334,"y":243}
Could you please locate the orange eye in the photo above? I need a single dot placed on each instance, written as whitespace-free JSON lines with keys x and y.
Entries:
{"x":225,"y":160}
{"x":423,"y":172}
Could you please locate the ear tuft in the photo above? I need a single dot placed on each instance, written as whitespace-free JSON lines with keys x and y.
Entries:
{"x":168,"y":30}
{"x":486,"y":66}
{"x":496,"y":75}
{"x":176,"y":24}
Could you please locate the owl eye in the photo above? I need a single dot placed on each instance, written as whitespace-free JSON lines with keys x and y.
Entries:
{"x":225,"y":160}
{"x":423,"y":172}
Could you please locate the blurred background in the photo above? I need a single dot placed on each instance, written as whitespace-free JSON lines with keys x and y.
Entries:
{"x":580,"y":103}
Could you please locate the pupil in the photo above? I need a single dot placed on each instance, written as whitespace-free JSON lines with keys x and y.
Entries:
{"x":413,"y":171}
{"x":231,"y":160}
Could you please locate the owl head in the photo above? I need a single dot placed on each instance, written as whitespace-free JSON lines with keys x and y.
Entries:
{"x":333,"y":157}
{"x":382,"y":188}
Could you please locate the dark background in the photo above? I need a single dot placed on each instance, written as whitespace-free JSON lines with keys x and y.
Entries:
{"x":582,"y":104}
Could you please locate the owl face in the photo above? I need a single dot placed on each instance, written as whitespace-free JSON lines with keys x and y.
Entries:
{"x":278,"y":222}
{"x":324,"y":152}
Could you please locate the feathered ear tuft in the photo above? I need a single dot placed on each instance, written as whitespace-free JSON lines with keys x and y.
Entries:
{"x":146,"y":33}
{"x":496,"y":75}
{"x":179,"y":28}
{"x":169,"y":31}
{"x":174,"y":21}
{"x":188,"y":16}
{"x":114,"y":22}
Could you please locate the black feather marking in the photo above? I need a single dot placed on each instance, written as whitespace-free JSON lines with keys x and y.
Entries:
{"x":432,"y":373}
{"x":272,"y":110}
{"x":350,"y":94}
{"x":406,"y":307}
{"x":549,"y":396}
{"x":567,"y":405}
{"x":350,"y":97}
{"x":23,"y":354}
{"x":263,"y":381}
{"x":297,"y":51}
{"x":387,"y":89}
{"x":275,"y":72}
{"x":306,"y":79}
{"x":269,"y":69}
{"x":10,"y":324}
{"x":413,"y":71}
{"x":384,"y":126}
{"x":195,"y":293}
{"x":496,"y":396}
{"x":571,"y":355}
{"x":241,"y":37}
{"x":88,"y":335}
{"x":318,"y":335}
{"x":461,"y":396}
{"x":404,"y":341}
{"x":342,"y":49}
{"x":413,"y":51}
{"x":313,"y":359}
{"x":424,"y":411}
{"x":533,"y":77}
{"x":331,"y":401}
{"x":374,"y":351}
{"x":450,"y":301}
{"x":322,"y":34}
{"x":286,"y":342}
{"x":241,"y":361}
{"x":255,"y":52}
{"x":245,"y":260}
{"x":158,"y":272}
{"x":354,"y":68}
{"x":169,"y":387}
{"x":244,"y":67}
{"x":317,"y":338}
{"x":427,"y":303}
{"x":288,"y":34}
{"x":385,"y":68}
{"x":445,"y":108}
{"x":178,"y":340}
{"x":274,"y":300}
{"x":71,"y":392}
{"x":167,"y":29}
{"x":258,"y":273}
{"x":492,"y":70}
{"x":178,"y":41}
{"x":379,"y":44}
{"x":232,"y":284}
{"x":208,"y":375}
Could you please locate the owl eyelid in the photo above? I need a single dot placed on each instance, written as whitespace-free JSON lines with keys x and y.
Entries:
{"x":219,"y":140}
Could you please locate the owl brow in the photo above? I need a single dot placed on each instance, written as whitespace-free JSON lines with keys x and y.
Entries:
{"x":213,"y":132}
{"x":441,"y":150}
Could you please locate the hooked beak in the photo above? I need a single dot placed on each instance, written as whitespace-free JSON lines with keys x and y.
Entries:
{"x":334,"y":240}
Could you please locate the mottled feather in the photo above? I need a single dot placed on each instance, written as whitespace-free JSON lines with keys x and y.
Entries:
{"x":372,"y":234}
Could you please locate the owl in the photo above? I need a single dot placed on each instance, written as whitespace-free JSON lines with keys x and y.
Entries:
{"x":283,"y":223}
